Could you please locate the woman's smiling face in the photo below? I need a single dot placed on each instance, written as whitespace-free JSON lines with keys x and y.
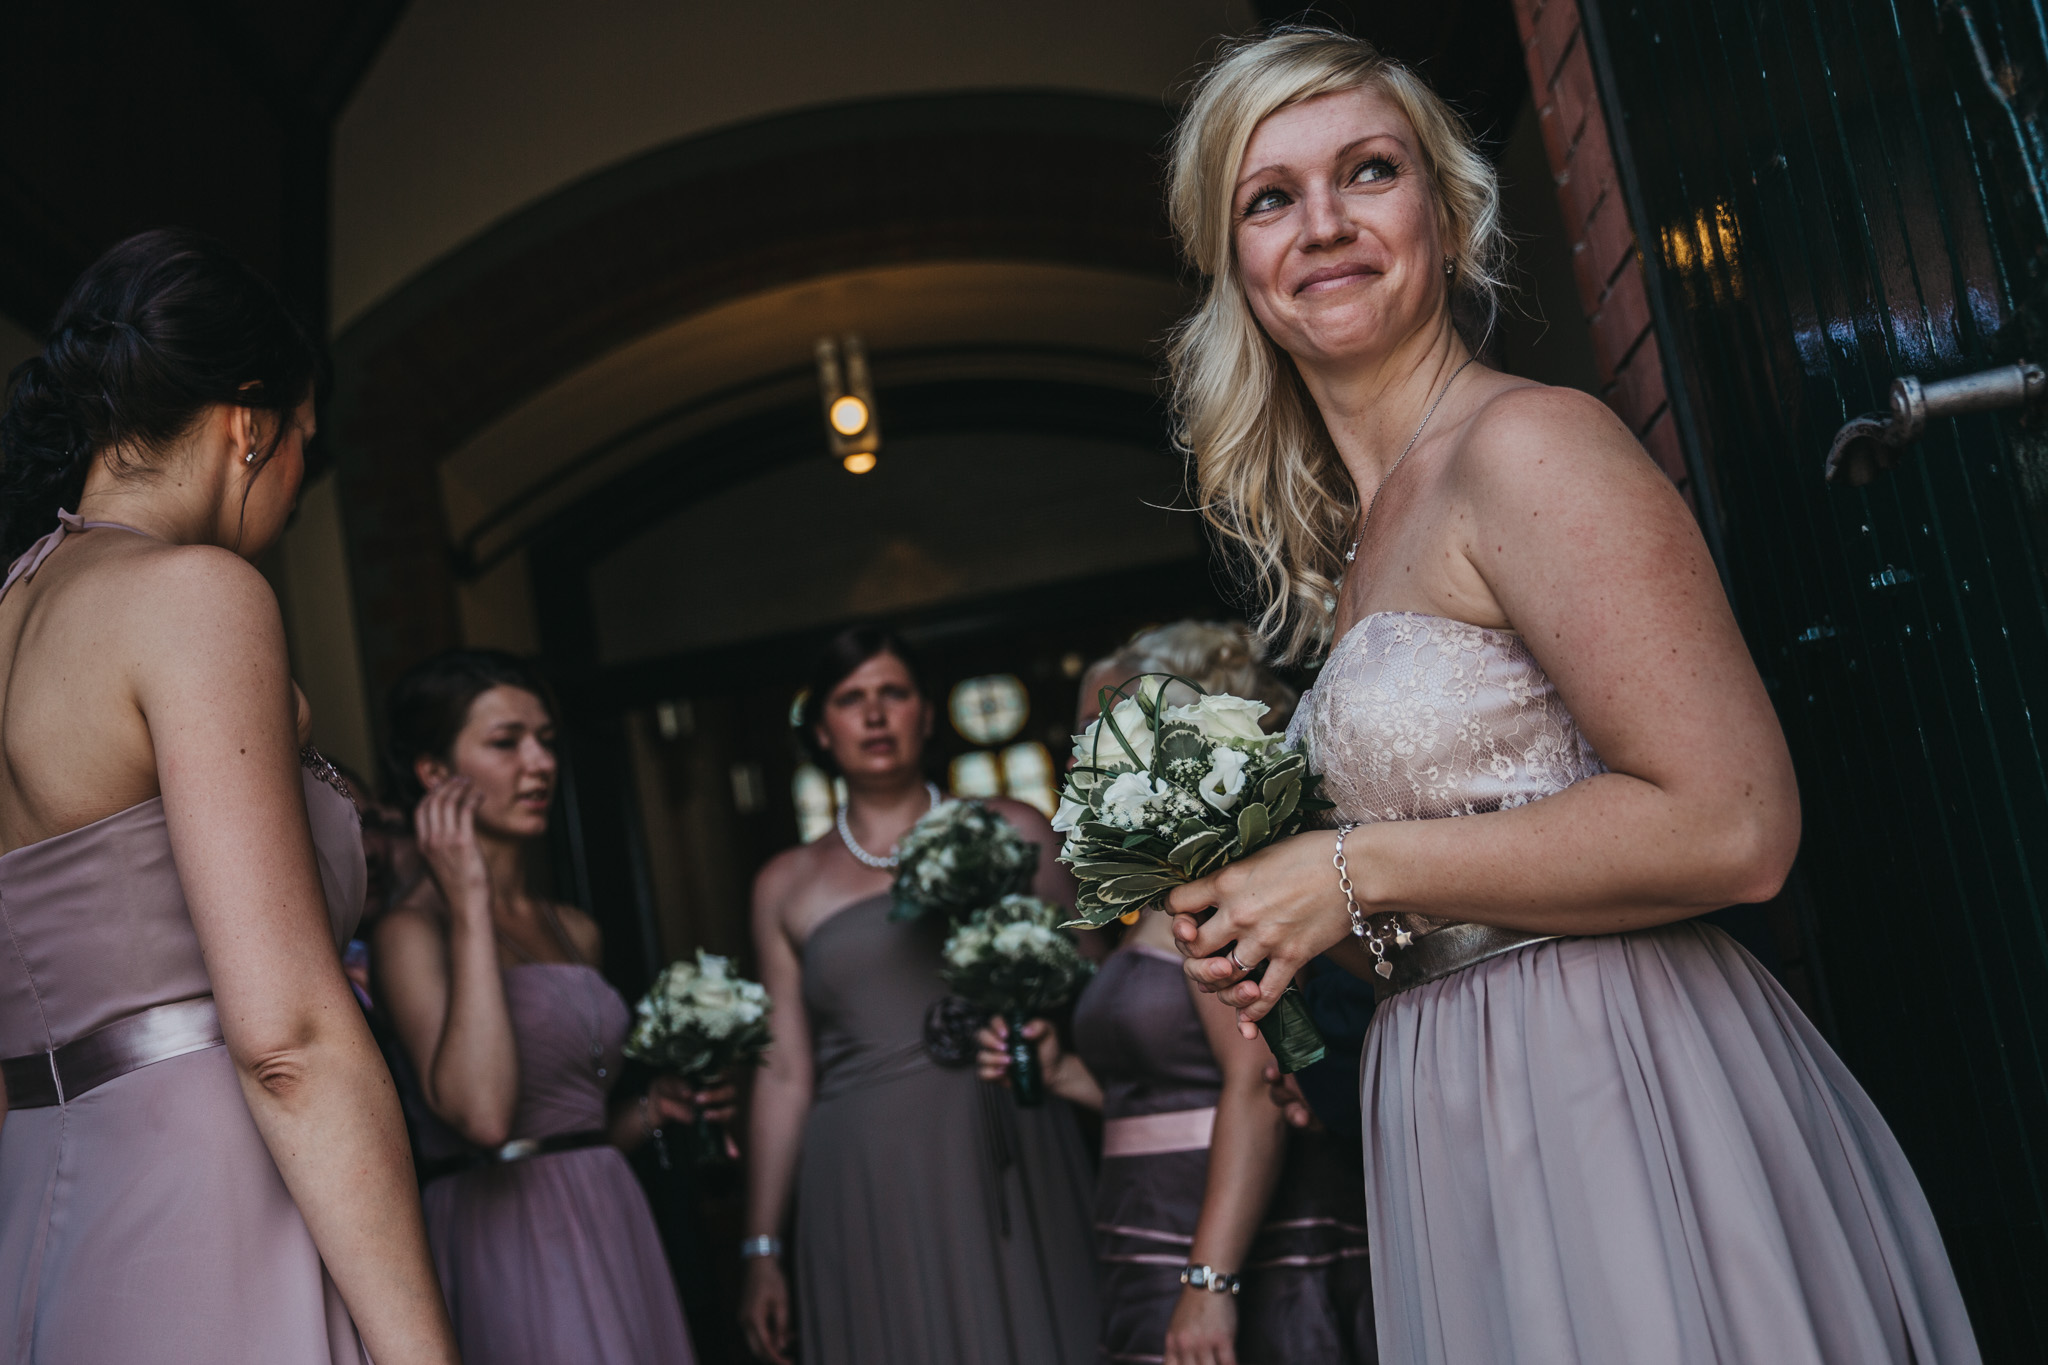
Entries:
{"x":1336,"y":229}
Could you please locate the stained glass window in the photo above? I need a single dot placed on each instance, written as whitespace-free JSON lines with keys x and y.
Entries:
{"x":990,"y":709}
{"x":1028,"y":777}
{"x":976,"y":774}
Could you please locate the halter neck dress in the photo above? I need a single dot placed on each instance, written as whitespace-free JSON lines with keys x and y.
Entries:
{"x":1604,"y":1150}
{"x":144,"y":1220}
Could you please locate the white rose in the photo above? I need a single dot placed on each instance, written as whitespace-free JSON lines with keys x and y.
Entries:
{"x":1224,"y":783}
{"x":1225,"y":718}
{"x":1129,"y":794}
{"x":1069,"y":816}
{"x":1097,"y":747}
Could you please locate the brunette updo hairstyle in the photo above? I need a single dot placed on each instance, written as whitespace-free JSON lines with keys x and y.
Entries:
{"x":430,"y":704}
{"x":160,"y":328}
{"x":848,"y":650}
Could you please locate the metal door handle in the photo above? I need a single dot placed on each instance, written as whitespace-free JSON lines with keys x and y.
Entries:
{"x":1870,"y":444}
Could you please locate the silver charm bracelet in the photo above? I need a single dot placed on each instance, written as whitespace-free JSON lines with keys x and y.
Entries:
{"x":1361,"y":927}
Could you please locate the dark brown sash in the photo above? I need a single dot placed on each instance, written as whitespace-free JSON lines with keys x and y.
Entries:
{"x":42,"y":1079}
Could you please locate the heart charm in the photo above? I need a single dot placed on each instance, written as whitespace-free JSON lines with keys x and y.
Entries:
{"x":1384,"y":968}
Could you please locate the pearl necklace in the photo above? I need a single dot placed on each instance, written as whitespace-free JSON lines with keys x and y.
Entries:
{"x":861,"y":855}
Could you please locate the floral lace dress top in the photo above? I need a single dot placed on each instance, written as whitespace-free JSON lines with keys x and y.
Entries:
{"x":1418,"y":717}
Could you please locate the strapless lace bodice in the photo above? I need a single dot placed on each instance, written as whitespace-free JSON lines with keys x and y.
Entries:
{"x":1418,"y":717}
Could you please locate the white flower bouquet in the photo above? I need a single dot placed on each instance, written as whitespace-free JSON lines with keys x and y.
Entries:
{"x":960,"y":858}
{"x":1015,"y":960}
{"x":1163,"y":795}
{"x":699,"y":1021}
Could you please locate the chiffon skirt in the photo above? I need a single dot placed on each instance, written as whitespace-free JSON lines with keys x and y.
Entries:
{"x":1634,"y":1149}
{"x":555,"y":1260}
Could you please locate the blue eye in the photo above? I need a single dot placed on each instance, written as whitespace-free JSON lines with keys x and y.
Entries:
{"x":1264,"y":200}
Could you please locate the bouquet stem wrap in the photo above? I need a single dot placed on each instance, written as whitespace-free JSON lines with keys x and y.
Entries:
{"x":1160,"y":796}
{"x":708,"y":1137}
{"x":1027,"y":1079}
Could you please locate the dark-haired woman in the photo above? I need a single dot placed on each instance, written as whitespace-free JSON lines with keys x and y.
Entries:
{"x":936,"y":1223}
{"x":202,"y":1158}
{"x":544,"y":1241}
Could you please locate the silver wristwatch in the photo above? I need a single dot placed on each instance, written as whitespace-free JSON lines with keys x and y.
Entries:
{"x":1208,"y":1277}
{"x":762,"y":1246}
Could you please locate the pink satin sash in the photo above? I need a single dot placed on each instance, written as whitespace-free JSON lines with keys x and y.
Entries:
{"x":1182,"y":1130}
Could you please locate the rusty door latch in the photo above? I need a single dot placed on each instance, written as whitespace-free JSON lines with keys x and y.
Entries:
{"x":1871,"y":444}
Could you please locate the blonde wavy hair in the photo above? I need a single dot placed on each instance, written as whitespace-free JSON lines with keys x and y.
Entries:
{"x":1266,"y":475}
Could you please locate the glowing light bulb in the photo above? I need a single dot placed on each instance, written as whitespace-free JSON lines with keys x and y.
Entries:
{"x":849,"y":415}
{"x":860,"y":462}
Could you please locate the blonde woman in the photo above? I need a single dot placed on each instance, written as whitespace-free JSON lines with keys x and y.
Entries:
{"x":1595,"y":1130}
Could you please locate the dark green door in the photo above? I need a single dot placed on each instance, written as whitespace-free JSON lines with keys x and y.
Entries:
{"x":1828,"y":194}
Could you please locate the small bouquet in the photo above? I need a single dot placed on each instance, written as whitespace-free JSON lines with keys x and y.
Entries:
{"x":1013,"y":959}
{"x":960,"y":858}
{"x":1162,"y":795}
{"x":699,"y":1021}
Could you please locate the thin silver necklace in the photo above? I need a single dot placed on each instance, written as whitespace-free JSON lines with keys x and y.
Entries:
{"x":867,"y":859}
{"x":1366,"y":521}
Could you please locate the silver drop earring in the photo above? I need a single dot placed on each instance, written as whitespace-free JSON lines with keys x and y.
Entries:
{"x":1450,"y":266}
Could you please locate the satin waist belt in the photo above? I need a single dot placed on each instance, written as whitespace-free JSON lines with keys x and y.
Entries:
{"x":157,"y":1034}
{"x":1182,"y":1130}
{"x":518,"y":1149}
{"x":1453,"y":948}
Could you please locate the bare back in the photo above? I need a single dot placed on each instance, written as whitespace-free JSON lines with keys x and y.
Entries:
{"x":74,"y":744}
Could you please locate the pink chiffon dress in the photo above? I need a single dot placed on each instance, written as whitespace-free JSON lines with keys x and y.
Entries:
{"x":144,"y":1219}
{"x":1606,"y":1150}
{"x":555,"y":1258}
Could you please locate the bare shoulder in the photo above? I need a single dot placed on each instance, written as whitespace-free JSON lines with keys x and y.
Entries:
{"x":1528,"y":435}
{"x":419,"y":917}
{"x":583,"y":932}
{"x":1028,"y":820}
{"x":194,"y":583}
{"x":781,"y":877}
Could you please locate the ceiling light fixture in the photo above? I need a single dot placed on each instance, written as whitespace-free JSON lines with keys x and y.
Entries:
{"x":851,"y":432}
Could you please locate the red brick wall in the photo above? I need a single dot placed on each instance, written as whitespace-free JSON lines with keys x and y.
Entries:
{"x":1604,"y":251}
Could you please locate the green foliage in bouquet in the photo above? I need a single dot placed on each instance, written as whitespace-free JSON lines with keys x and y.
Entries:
{"x":958,"y":859}
{"x":1162,"y":795}
{"x":699,"y":1021}
{"x":1013,"y":959}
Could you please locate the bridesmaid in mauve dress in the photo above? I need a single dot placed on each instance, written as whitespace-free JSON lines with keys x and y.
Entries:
{"x":1597,"y":1131}
{"x":201,"y":1162}
{"x":544,"y":1240}
{"x":936,"y":1223}
{"x":1198,"y":1165}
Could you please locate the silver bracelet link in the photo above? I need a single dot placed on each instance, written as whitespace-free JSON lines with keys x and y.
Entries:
{"x":1362,"y":926}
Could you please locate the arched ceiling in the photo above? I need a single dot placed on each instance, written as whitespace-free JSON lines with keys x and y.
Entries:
{"x":920,"y":322}
{"x":477,"y":108}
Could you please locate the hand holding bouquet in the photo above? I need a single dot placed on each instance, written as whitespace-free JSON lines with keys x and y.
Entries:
{"x":1013,"y":959}
{"x":960,"y":858}
{"x":699,"y":1021}
{"x":1163,"y":795}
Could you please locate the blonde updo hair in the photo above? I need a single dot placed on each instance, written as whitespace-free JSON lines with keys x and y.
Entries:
{"x":1267,"y":477}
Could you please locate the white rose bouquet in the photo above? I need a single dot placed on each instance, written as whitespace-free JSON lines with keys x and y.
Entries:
{"x":1014,"y":959}
{"x":960,"y":858}
{"x":1162,"y":795}
{"x":699,"y":1021}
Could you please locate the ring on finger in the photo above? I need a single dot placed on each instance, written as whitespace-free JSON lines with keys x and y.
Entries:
{"x":1232,"y":955}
